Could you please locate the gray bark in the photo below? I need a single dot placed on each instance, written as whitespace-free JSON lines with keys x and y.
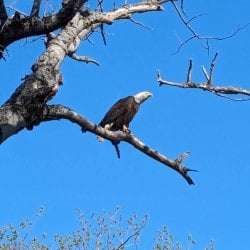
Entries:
{"x":27,"y":107}
{"x":20,"y":27}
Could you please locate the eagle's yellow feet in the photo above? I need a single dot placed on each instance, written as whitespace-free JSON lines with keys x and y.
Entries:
{"x":125,"y":129}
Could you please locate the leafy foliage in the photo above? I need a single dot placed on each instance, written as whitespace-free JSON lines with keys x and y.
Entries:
{"x":108,"y":230}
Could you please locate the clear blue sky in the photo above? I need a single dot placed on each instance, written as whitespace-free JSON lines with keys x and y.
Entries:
{"x":58,"y":167}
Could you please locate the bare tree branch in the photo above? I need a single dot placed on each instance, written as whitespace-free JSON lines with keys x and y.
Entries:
{"x":16,"y":29}
{"x":11,"y":32}
{"x":116,"y":145}
{"x":99,"y":6}
{"x":97,"y":19}
{"x":205,"y":72}
{"x":56,"y":112}
{"x":83,"y":59}
{"x":195,"y":35}
{"x":103,"y":35}
{"x":35,"y":8}
{"x":209,"y":82}
{"x":139,"y":23}
{"x":189,"y":74}
{"x":208,"y":85}
{"x":3,"y":13}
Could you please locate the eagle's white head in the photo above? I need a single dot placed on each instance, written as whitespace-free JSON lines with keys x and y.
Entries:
{"x":142,"y":96}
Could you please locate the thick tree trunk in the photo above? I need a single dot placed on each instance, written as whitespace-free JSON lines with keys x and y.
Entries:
{"x":27,"y":107}
{"x":23,"y":108}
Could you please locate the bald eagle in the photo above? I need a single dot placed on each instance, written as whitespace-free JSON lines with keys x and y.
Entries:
{"x":122,"y":113}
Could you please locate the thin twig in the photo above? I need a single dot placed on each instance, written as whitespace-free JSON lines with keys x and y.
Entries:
{"x":16,"y":10}
{"x":115,"y":143}
{"x":212,"y":68}
{"x":194,"y":17}
{"x":139,"y":23}
{"x":182,"y":157}
{"x":233,"y":99}
{"x":102,"y":33}
{"x":195,"y":35}
{"x":35,"y":8}
{"x":99,"y":6}
{"x":189,"y":74}
{"x":205,"y":72}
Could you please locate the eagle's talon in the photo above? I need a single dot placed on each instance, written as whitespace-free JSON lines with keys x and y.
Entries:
{"x":125,"y":129}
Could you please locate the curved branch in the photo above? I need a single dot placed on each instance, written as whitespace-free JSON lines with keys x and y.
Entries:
{"x":57,"y":112}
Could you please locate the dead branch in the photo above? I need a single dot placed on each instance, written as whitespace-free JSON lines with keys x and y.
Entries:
{"x":94,"y":20}
{"x":139,"y":23}
{"x":83,"y":59}
{"x":3,"y":13}
{"x":99,"y":6}
{"x":11,"y":31}
{"x":31,"y":26}
{"x":103,"y":35}
{"x":35,"y":8}
{"x":208,"y":85}
{"x":211,"y":69}
{"x":189,"y":74}
{"x":195,"y":35}
{"x":117,"y":150}
{"x":57,"y":112}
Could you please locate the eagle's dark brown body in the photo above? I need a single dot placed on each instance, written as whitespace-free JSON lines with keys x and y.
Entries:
{"x":120,"y":114}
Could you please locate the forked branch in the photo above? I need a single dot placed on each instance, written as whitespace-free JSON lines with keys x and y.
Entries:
{"x":57,"y":112}
{"x":196,"y":35}
{"x":222,"y":91}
